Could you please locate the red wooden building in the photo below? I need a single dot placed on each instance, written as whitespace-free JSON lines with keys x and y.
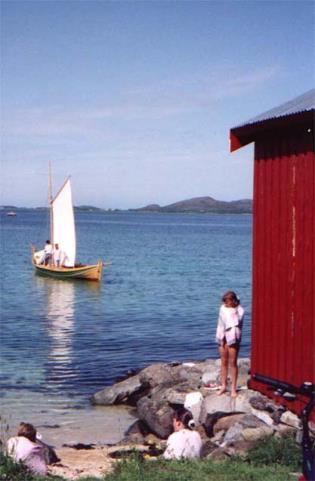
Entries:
{"x":283,"y":292}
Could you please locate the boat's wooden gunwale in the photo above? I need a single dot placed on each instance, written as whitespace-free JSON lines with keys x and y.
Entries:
{"x":87,"y":272}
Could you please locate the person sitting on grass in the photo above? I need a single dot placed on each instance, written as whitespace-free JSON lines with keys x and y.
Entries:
{"x":23,"y":448}
{"x":183,"y":443}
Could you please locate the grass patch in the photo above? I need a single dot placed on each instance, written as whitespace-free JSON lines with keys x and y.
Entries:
{"x":284,"y":451}
{"x":11,"y":471}
{"x":134,"y":469}
{"x":272,"y":459}
{"x":201,"y":470}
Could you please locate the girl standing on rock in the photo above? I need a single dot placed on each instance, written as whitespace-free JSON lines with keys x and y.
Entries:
{"x":228,"y":337}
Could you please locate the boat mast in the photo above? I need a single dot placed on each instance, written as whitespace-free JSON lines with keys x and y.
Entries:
{"x":51,"y":232}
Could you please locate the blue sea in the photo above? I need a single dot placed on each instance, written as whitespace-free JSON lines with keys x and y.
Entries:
{"x":61,"y":341}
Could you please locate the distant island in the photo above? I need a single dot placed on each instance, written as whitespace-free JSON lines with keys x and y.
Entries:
{"x":201,"y":205}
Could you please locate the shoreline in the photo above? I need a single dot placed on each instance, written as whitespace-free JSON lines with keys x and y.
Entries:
{"x":90,"y":441}
{"x":97,"y":425}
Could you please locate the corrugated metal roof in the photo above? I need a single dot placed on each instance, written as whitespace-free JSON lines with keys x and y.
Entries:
{"x":302,"y":103}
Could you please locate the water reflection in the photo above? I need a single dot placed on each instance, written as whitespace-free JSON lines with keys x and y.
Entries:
{"x":62,"y":305}
{"x":60,"y":327}
{"x":60,"y":316}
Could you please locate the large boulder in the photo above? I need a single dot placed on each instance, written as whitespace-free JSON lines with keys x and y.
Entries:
{"x":128,"y":392}
{"x":225,"y":403}
{"x":218,"y":454}
{"x":267,"y":409}
{"x":157,"y":414}
{"x":171,"y":374}
{"x":225,"y":422}
{"x":177,"y":394}
{"x":249,"y":428}
{"x":291,"y":419}
{"x":214,"y":418}
{"x":157,"y":374}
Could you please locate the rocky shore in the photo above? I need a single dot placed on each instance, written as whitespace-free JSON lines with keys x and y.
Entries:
{"x":227,"y":425}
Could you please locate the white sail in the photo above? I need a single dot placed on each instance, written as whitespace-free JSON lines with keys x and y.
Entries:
{"x":63,"y":228}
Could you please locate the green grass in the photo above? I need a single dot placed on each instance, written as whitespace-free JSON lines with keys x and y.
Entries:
{"x":271,"y":459}
{"x":202,"y":470}
{"x":134,"y":469}
{"x":283,"y":451}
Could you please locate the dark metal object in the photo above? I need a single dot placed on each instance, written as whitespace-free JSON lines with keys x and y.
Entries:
{"x":306,"y":389}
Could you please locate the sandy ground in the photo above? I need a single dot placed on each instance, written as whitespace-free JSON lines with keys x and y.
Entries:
{"x":78,"y":463}
{"x":97,"y":425}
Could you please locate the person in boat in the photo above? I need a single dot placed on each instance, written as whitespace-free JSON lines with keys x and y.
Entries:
{"x":228,"y":337}
{"x":48,"y":249}
{"x":57,"y":256}
{"x":24,"y":448}
{"x":184,"y":442}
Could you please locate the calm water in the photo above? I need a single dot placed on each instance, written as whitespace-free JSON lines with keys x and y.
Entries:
{"x":158,"y":301}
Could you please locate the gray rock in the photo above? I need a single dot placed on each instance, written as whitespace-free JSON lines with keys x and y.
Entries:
{"x":262,"y":403}
{"x":158,"y":374}
{"x":177,"y":394}
{"x":131,"y":389}
{"x":276,"y":415}
{"x":207,"y":448}
{"x":251,"y":421}
{"x":290,"y":419}
{"x":189,"y":374}
{"x":225,"y":403}
{"x":264,"y":416}
{"x":284,"y":430}
{"x":161,"y":373}
{"x":136,"y":433}
{"x":217,"y":454}
{"x":157,"y":414}
{"x":225,"y":422}
{"x":210,"y":376}
{"x":249,"y":428}
{"x":254,"y":434}
{"x":212,"y":420}
{"x":238,"y":449}
{"x":128,"y":391}
{"x":233,"y":434}
{"x":218,"y":437}
{"x":214,"y":403}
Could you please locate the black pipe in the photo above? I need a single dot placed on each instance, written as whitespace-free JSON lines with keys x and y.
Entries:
{"x":306,"y":389}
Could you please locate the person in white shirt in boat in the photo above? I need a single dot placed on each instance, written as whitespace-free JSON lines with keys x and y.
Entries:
{"x":57,"y":256}
{"x":47,"y":253}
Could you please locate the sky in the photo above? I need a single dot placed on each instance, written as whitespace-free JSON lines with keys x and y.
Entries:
{"x":135,"y":99}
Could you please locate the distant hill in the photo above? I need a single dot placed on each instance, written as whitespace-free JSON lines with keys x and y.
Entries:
{"x":89,"y":208}
{"x":8,"y":207}
{"x":195,"y":205}
{"x":202,"y":205}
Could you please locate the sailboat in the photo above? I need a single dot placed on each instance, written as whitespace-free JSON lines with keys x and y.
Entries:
{"x":62,"y":232}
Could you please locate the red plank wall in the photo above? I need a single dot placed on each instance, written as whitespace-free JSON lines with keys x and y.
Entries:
{"x":283,"y":321}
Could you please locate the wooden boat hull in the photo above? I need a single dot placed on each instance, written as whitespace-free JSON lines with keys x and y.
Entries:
{"x":85,"y":272}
